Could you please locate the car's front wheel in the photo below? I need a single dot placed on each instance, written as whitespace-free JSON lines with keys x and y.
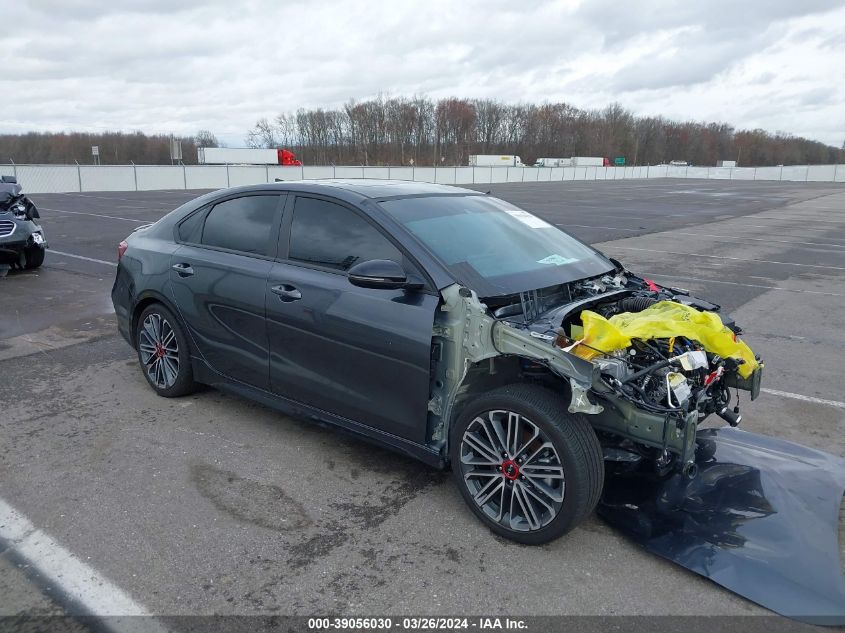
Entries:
{"x":527,"y":468}
{"x":163,"y":352}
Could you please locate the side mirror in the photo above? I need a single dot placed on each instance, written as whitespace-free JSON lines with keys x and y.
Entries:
{"x":379,"y":273}
{"x":9,"y":179}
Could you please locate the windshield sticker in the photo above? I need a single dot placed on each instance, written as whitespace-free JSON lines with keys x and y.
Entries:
{"x":526,"y":218}
{"x":556,"y":260}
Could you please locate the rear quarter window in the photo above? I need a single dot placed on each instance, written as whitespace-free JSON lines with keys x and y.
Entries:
{"x":190,"y":229}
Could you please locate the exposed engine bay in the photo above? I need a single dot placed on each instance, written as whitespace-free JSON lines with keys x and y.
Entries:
{"x":662,"y":361}
{"x":672,"y":375}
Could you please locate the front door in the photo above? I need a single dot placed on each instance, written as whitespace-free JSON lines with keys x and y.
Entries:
{"x":360,"y":353}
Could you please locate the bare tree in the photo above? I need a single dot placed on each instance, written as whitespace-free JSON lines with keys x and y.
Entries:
{"x":455,"y":124}
{"x":489,"y":119}
{"x":262,"y":135}
{"x":205,"y":138}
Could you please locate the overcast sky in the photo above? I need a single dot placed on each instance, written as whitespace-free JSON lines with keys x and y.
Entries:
{"x":181,"y":65}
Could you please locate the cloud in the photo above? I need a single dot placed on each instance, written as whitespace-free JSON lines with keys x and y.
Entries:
{"x":178,"y":66}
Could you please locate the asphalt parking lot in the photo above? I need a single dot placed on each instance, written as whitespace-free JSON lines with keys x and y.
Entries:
{"x":212,"y":504}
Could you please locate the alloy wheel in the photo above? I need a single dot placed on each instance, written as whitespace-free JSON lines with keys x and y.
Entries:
{"x":512,"y":470}
{"x":159,"y":351}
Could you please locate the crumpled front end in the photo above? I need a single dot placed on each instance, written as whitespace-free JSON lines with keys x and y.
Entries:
{"x":17,"y":233}
{"x":662,"y":362}
{"x":664,"y":366}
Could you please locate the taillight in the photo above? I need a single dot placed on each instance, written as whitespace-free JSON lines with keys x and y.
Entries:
{"x":121,"y":249}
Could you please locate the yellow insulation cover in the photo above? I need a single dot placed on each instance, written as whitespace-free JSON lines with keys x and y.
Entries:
{"x":663,"y":320}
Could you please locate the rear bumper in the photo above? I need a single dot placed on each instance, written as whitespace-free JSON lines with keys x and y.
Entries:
{"x":121,"y":298}
{"x":123,"y":326}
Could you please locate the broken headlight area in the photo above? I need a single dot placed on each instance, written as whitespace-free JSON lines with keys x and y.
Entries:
{"x":663,"y":361}
{"x":662,"y":371}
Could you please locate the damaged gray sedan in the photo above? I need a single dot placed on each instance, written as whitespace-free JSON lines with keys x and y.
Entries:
{"x":441,"y":322}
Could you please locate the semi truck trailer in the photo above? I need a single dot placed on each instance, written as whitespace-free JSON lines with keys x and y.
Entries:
{"x":590,"y":161}
{"x":553,"y":162}
{"x":246,"y":156}
{"x":495,"y":160}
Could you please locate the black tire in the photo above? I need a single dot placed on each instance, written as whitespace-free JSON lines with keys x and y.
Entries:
{"x":34,"y":257}
{"x":183,"y":383}
{"x":573,"y":439}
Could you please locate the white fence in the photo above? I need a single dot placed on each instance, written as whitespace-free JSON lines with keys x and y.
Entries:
{"x":78,"y":178}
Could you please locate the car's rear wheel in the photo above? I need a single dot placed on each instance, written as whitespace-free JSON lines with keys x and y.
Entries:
{"x":163,"y":352}
{"x":33,"y":257}
{"x":527,"y":468}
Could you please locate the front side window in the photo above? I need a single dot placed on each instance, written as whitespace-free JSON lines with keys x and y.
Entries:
{"x":330,"y":235}
{"x":242,"y":224}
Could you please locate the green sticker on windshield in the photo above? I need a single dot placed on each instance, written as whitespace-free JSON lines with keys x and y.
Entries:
{"x":556,"y":260}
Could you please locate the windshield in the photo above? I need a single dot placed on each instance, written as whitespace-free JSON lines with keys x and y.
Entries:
{"x":494,"y":247}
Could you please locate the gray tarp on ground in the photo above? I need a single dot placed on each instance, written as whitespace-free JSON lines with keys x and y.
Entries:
{"x":760,"y":518}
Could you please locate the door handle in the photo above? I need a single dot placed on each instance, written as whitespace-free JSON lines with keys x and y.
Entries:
{"x":183,"y":269}
{"x":287,"y":292}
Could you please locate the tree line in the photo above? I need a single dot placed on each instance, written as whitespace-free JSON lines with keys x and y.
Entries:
{"x":115,"y":148}
{"x":421,"y":131}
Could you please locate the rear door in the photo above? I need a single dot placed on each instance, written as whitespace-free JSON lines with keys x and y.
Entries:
{"x":360,"y":353}
{"x":219,"y":277}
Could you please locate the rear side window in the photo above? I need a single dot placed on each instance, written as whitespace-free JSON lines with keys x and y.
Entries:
{"x":242,"y":224}
{"x":330,"y":235}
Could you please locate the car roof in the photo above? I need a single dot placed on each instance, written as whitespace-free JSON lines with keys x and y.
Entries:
{"x":371,"y":188}
{"x":375,"y":188}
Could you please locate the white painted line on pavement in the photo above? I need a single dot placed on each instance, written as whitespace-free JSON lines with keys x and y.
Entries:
{"x":797,"y":218}
{"x":724,"y":237}
{"x":87,"y":259}
{"x":74,"y":194}
{"x":738,"y":259}
{"x":798,"y":396}
{"x":736,"y":283}
{"x":80,"y":582}
{"x":97,"y":215}
{"x":737,"y":219}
